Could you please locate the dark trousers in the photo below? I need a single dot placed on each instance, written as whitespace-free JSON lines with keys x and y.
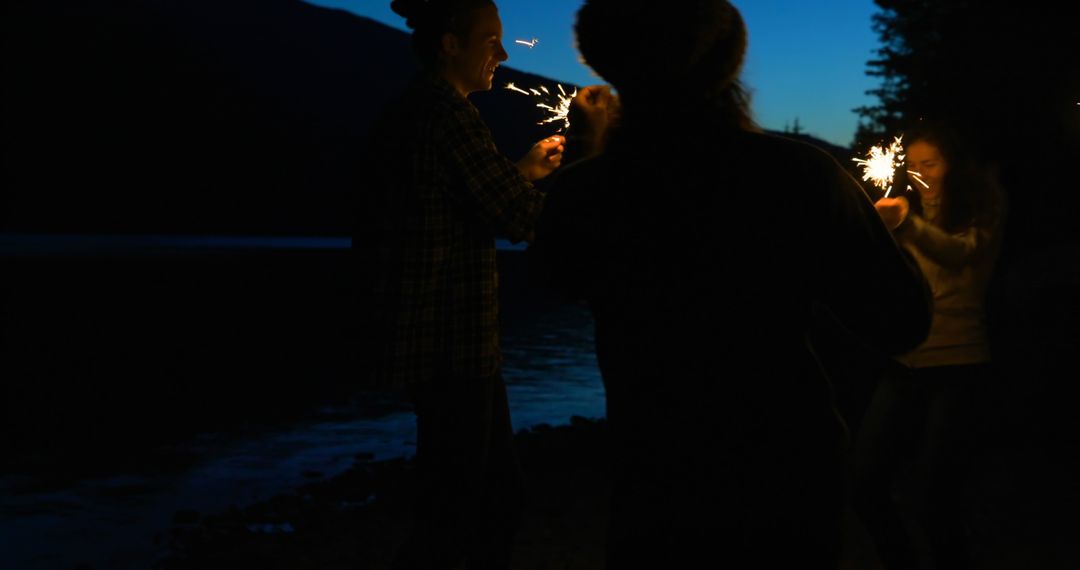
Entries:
{"x":469,"y":484}
{"x":919,"y":428}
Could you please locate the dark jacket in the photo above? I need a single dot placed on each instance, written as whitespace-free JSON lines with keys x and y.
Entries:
{"x":703,"y":255}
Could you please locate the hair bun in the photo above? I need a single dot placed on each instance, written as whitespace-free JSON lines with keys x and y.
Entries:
{"x":414,"y":11}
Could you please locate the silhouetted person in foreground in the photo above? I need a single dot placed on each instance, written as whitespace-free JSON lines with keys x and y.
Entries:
{"x":921,"y":421}
{"x":701,"y":246}
{"x":439,"y":194}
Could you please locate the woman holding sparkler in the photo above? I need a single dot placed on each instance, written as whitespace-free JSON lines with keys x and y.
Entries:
{"x":703,"y":246}
{"x":920,"y":415}
{"x":438,"y":194}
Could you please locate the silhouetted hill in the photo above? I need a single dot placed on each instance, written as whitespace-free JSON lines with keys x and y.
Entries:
{"x":235,"y":116}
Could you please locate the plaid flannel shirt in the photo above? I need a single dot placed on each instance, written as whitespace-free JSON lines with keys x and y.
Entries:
{"x":441,"y":195}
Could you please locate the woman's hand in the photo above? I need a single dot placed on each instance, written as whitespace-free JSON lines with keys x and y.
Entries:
{"x":893,"y":211}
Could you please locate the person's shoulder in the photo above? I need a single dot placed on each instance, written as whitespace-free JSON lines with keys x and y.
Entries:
{"x":785,"y":150}
{"x":813,"y":172}
{"x":443,"y":97}
{"x":440,"y":101}
{"x":808,"y":165}
{"x":425,"y":99}
{"x":426,"y":113}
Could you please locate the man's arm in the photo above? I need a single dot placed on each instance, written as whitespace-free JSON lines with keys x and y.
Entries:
{"x":493,"y":188}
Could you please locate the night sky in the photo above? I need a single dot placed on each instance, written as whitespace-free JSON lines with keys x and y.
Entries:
{"x":807,"y":60}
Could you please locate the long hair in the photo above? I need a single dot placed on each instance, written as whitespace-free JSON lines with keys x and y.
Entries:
{"x":431,"y":19}
{"x":972,"y":196}
{"x":679,"y":61}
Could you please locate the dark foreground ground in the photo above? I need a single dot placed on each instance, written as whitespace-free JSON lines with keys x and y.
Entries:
{"x":1024,"y":496}
{"x":357,"y":519}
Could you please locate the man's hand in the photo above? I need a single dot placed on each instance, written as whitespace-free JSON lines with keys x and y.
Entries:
{"x":543,"y":158}
{"x":893,"y":211}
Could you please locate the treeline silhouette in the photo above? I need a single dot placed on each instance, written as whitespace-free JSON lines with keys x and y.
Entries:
{"x":1006,"y":75}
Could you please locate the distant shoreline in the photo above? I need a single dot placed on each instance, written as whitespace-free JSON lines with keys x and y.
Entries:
{"x":20,"y":244}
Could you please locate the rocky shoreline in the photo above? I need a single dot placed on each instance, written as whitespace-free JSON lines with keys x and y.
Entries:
{"x":357,"y":519}
{"x":1021,"y":490}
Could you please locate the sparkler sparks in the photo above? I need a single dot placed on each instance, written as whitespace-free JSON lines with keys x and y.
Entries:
{"x":528,"y":43}
{"x":917,"y":177}
{"x":881,"y":163}
{"x":557,"y":105}
{"x":513,"y":87}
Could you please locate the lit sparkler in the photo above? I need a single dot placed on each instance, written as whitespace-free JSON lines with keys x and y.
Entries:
{"x":557,"y":105}
{"x":881,"y":163}
{"x":528,"y":43}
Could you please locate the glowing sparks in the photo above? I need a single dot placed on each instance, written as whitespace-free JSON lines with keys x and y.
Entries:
{"x":881,"y":163}
{"x":557,"y":106}
{"x":528,"y":43}
{"x":513,"y":87}
{"x":917,"y":177}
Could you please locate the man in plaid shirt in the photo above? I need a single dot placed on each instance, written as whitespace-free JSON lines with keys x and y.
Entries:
{"x":446,"y":193}
{"x":442,"y":193}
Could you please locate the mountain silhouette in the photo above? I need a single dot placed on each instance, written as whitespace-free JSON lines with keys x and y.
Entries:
{"x":204,"y":116}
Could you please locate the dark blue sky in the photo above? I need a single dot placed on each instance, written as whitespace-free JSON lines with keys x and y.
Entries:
{"x":806,"y":59}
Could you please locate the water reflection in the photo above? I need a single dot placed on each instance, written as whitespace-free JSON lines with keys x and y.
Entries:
{"x":550,"y":368}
